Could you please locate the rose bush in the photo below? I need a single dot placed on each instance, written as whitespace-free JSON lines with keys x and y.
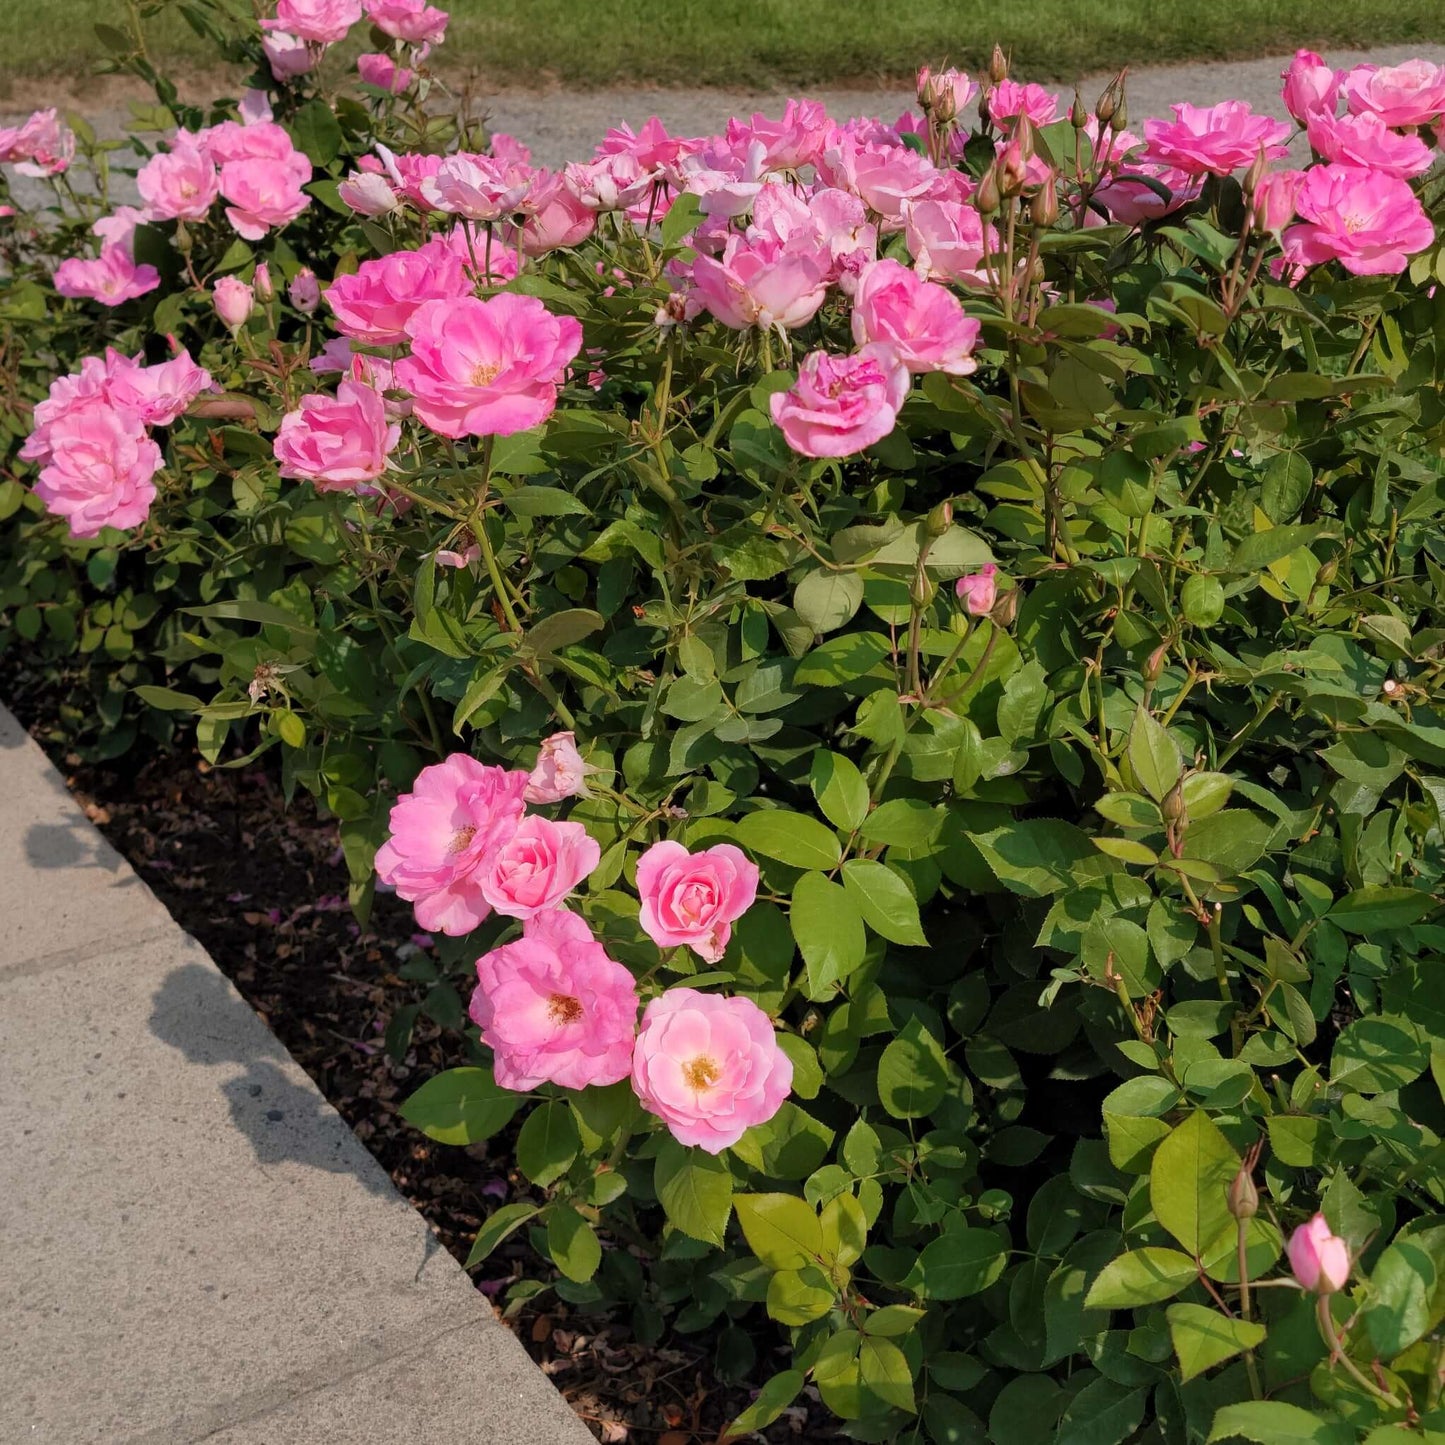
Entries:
{"x":897,"y":660}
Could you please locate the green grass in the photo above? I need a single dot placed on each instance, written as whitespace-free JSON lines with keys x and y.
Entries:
{"x":758,"y":44}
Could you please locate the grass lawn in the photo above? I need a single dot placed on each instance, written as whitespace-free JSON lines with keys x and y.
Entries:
{"x":761,"y":43}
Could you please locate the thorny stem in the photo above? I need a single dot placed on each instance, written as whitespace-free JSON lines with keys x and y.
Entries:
{"x":1338,"y":1355}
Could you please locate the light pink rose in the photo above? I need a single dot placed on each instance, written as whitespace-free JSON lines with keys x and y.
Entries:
{"x":763,"y":283}
{"x":408,"y":173}
{"x":840,"y":405}
{"x":100,"y":469}
{"x":254,"y":107}
{"x":119,"y":227}
{"x":112,"y":278}
{"x":538,"y":866}
{"x":560,"y":771}
{"x":651,"y":147}
{"x":1370,"y":223}
{"x":304,"y":291}
{"x":789,"y":144}
{"x":1365,"y":140}
{"x":554,"y":1008}
{"x":383,"y":72}
{"x":178,"y":185}
{"x":287,"y":55}
{"x":234,"y":302}
{"x":508,"y":149}
{"x":922,"y":322}
{"x":338,"y":443}
{"x":322,"y":21}
{"x":260,"y":140}
{"x":884,"y":176}
{"x":477,"y":187}
{"x":77,"y":391}
{"x":487,"y":368}
{"x":978,"y":591}
{"x":1408,"y":94}
{"x":1319,"y":1258}
{"x":946,"y":239}
{"x":709,"y":1067}
{"x":1214,"y":140}
{"x":41,"y":147}
{"x":556,"y":218}
{"x":444,"y":834}
{"x":411,"y":20}
{"x":374,"y":305}
{"x":262,"y":196}
{"x":611,"y":182}
{"x":1009,"y":99}
{"x":368,"y":194}
{"x":1310,"y":86}
{"x":693,"y":899}
{"x":157,"y":394}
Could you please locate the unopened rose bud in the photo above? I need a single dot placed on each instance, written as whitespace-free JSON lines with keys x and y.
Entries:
{"x":1255,"y":173}
{"x":1327,"y":573}
{"x":234,"y":301}
{"x":1153,"y":668}
{"x":1243,"y":1197}
{"x":985,"y":111}
{"x":1013,"y":169}
{"x":925,"y":89}
{"x":998,"y":65}
{"x":987,"y":197}
{"x":939,"y":520}
{"x":265,"y":291}
{"x":1176,"y":814}
{"x":978,"y":591}
{"x":922,"y":591}
{"x":1078,"y":115}
{"x":1120,"y":119}
{"x":304,"y":291}
{"x":1044,"y":204}
{"x":1006,"y":609}
{"x":1319,"y":1258}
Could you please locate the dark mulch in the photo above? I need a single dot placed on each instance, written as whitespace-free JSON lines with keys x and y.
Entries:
{"x":263,"y":888}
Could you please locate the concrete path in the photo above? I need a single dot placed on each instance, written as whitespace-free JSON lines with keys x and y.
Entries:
{"x":193,"y":1245}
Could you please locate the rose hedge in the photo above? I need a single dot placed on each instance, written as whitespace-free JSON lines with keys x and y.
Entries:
{"x":977,"y":591}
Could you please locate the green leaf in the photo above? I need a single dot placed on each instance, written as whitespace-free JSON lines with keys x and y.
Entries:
{"x":547,"y":1143}
{"x":572,"y":1243}
{"x":317,"y":133}
{"x":461,"y":1106}
{"x":1378,"y":1055}
{"x":682,"y":218}
{"x":904,"y":823}
{"x":1256,"y":553}
{"x":885,"y":901}
{"x":959,"y":1263}
{"x":883,"y":1370}
{"x":912,"y":1073}
{"x":163,"y":699}
{"x":773,"y":1399}
{"x":840,"y":790}
{"x":807,"y":1072}
{"x":1035,"y":856}
{"x":828,"y":927}
{"x":1273,"y":1422}
{"x":1141,"y":1277}
{"x":562,"y":629}
{"x":1188,"y":1180}
{"x":543,"y":502}
{"x":791,"y":838}
{"x":1375,"y":909}
{"x":1285,"y":486}
{"x":781,"y":1229}
{"x":799,"y":1298}
{"x":1153,"y":755}
{"x":827,"y":601}
{"x":500,"y":1223}
{"x":1402,"y":1285}
{"x":1203,"y":1337}
{"x":695,"y":1190}
{"x":1231,"y":841}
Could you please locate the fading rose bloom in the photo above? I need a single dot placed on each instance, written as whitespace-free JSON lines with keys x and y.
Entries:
{"x":367,"y":193}
{"x":157,"y":394}
{"x":1311,"y":87}
{"x":234,"y":302}
{"x":287,"y":55}
{"x":411,"y":20}
{"x":1400,"y":95}
{"x":560,"y":771}
{"x":946,"y":239}
{"x":304,"y":291}
{"x":538,"y":866}
{"x":709,"y":1067}
{"x":444,"y":833}
{"x":841,"y":405}
{"x":763,"y":283}
{"x":254,"y":107}
{"x":375,"y":304}
{"x":556,"y":217}
{"x":337,"y":443}
{"x":1370,"y":223}
{"x":1214,"y":140}
{"x":42,"y":146}
{"x":178,"y":185}
{"x":322,"y":21}
{"x":446,"y":557}
{"x":693,"y":899}
{"x":923,"y":323}
{"x":100,"y":470}
{"x":262,"y":197}
{"x":487,"y":368}
{"x":554,"y":1008}
{"x":978,"y":591}
{"x":1365,"y":140}
{"x":1319,"y":1258}
{"x":383,"y":72}
{"x":1008,"y":100}
{"x":112,"y":278}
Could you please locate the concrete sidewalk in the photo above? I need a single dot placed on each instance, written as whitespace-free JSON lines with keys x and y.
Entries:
{"x":193,"y":1245}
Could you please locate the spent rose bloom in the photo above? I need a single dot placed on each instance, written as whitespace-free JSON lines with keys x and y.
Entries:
{"x":157,"y":394}
{"x":979,"y":590}
{"x":554,"y":1008}
{"x":178,"y":185}
{"x":262,"y":196}
{"x":560,"y":771}
{"x":1310,"y":86}
{"x":375,"y":303}
{"x":693,"y":899}
{"x":411,"y":20}
{"x":840,"y":405}
{"x":486,"y":368}
{"x":100,"y":469}
{"x":1408,"y":94}
{"x":1365,"y":140}
{"x":234,"y":302}
{"x":322,"y":21}
{"x":1319,"y":1258}
{"x":477,"y":187}
{"x":538,"y":866}
{"x":337,"y":442}
{"x":923,"y":322}
{"x":112,"y":278}
{"x":42,"y":146}
{"x":444,"y":833}
{"x":304,"y":291}
{"x":1215,"y":139}
{"x":709,"y":1067}
{"x":763,"y":282}
{"x":383,"y":72}
{"x":1370,"y":223}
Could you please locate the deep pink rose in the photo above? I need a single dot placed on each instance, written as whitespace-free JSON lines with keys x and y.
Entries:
{"x":840,"y":405}
{"x":375,"y":304}
{"x":113,"y":278}
{"x":1319,"y":1258}
{"x":1132,"y":202}
{"x":1310,"y":86}
{"x":923,"y":322}
{"x":763,"y":283}
{"x":693,"y":899}
{"x":487,"y":368}
{"x":100,"y":469}
{"x":337,"y":442}
{"x":1370,"y":223}
{"x":1408,"y":94}
{"x":157,"y":394}
{"x":554,"y":1008}
{"x":1365,"y":140}
{"x":411,"y":20}
{"x":978,"y":591}
{"x":1214,"y":140}
{"x":560,"y":771}
{"x":538,"y":866}
{"x":383,"y":72}
{"x":263,"y":197}
{"x":444,"y":834}
{"x":178,"y":185}
{"x":709,"y":1067}
{"x":322,"y":21}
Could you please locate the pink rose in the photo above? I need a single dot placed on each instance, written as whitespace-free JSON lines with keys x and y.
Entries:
{"x":763,"y":283}
{"x":338,"y":443}
{"x":789,"y":144}
{"x":100,"y":469}
{"x":1009,"y":99}
{"x":1370,"y":223}
{"x":444,"y":834}
{"x":375,"y":304}
{"x":477,"y":187}
{"x":323,"y":22}
{"x":1408,"y":94}
{"x":1214,"y":140}
{"x":411,"y":20}
{"x":1310,"y":86}
{"x":883,"y":176}
{"x":1274,"y":199}
{"x":978,"y":591}
{"x":709,"y":1067}
{"x":945,"y":92}
{"x":487,"y":368}
{"x":41,"y":147}
{"x":1365,"y":140}
{"x":1132,"y":202}
{"x":178,"y":185}
{"x":556,"y":217}
{"x":157,"y":394}
{"x":368,"y":194}
{"x":554,"y":1008}
{"x":234,"y":302}
{"x":287,"y":56}
{"x":260,"y":140}
{"x":560,"y":771}
{"x":538,"y":866}
{"x":1319,"y":1258}
{"x":68,"y":394}
{"x":262,"y":196}
{"x":384,"y":73}
{"x":693,"y":899}
{"x":304,"y":291}
{"x":113,"y":278}
{"x":924,"y":323}
{"x":119,"y":227}
{"x":946,"y":239}
{"x":840,"y":405}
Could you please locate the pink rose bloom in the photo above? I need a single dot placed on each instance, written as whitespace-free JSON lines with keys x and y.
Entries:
{"x":538,"y":866}
{"x":978,"y":591}
{"x":709,"y":1067}
{"x":922,"y":322}
{"x":1214,"y":140}
{"x":261,"y":140}
{"x":157,"y":394}
{"x":304,"y":291}
{"x":1365,"y":140}
{"x":75,"y":392}
{"x":610,"y":183}
{"x":884,"y":176}
{"x":322,"y":21}
{"x":560,"y":771}
{"x":840,"y":405}
{"x":262,"y":197}
{"x":554,"y":1008}
{"x":651,"y":147}
{"x":43,"y":146}
{"x":254,"y":107}
{"x":411,"y":20}
{"x":119,"y":227}
{"x":487,"y":368}
{"x":1132,"y":202}
{"x":763,"y":283}
{"x":1009,"y":99}
{"x":178,"y":185}
{"x":1370,"y":223}
{"x":383,"y":72}
{"x":1408,"y":94}
{"x":375,"y":304}
{"x":338,"y":443}
{"x":947,"y":91}
{"x":444,"y":833}
{"x":368,"y":194}
{"x":693,"y":899}
{"x":234,"y":302}
{"x":408,"y":173}
{"x":789,"y":144}
{"x":1274,"y":199}
{"x":113,"y":278}
{"x":1319,"y":1258}
{"x":287,"y":56}
{"x":1310,"y":86}
{"x":100,"y":470}
{"x":946,"y":239}
{"x":556,"y":217}
{"x":508,"y":149}
{"x":477,"y":187}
